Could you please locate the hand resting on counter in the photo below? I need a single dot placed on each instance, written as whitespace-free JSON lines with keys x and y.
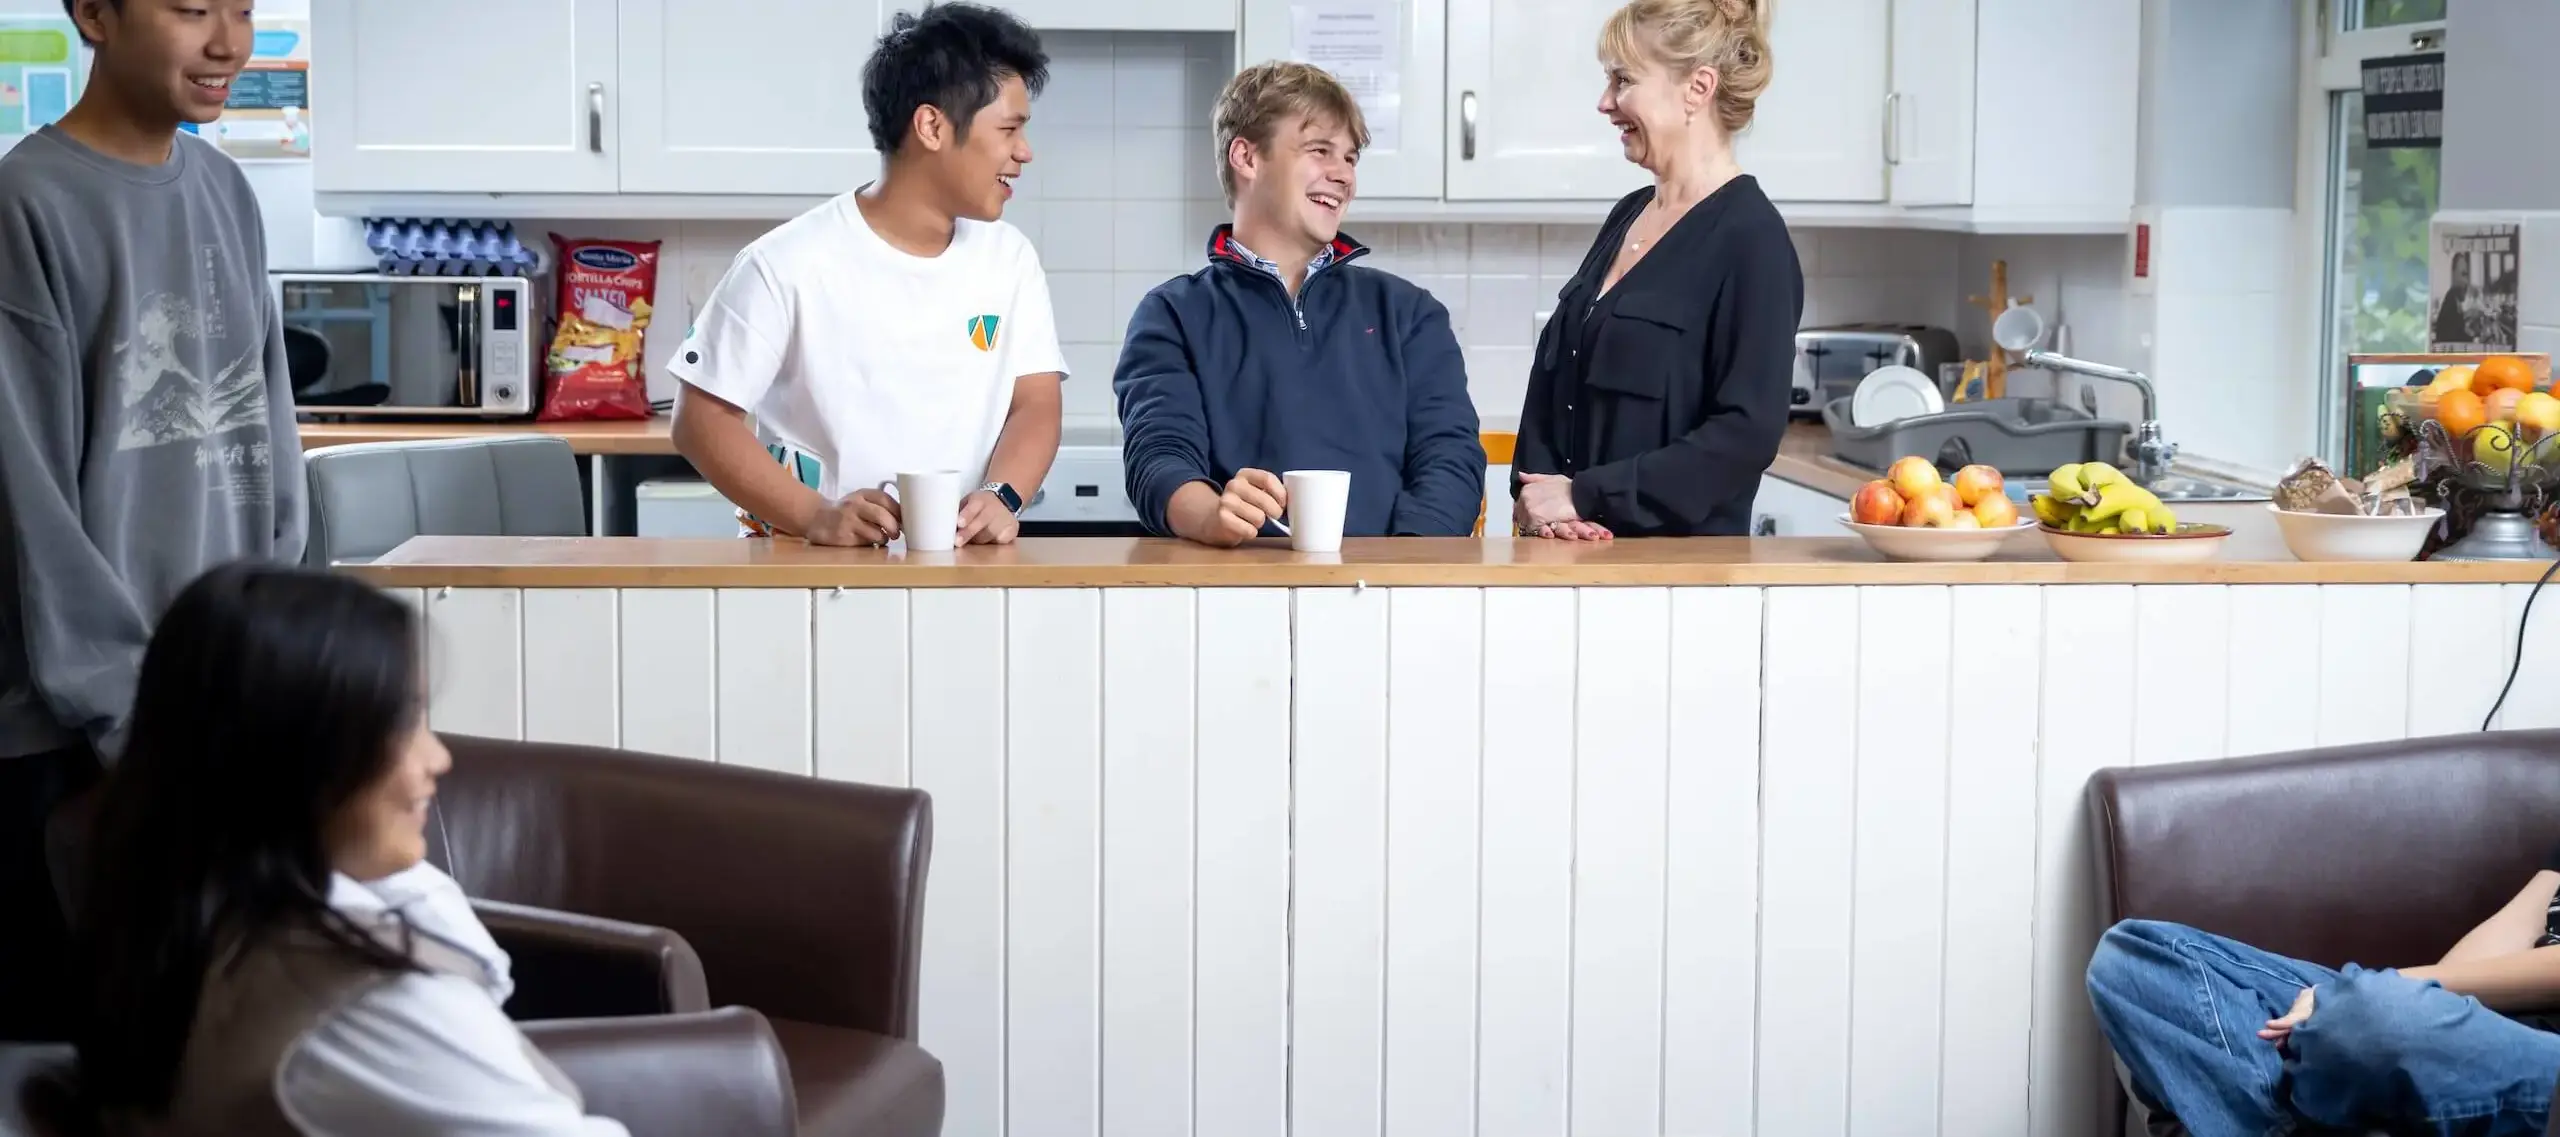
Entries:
{"x":1230,"y":517}
{"x":1545,"y":509}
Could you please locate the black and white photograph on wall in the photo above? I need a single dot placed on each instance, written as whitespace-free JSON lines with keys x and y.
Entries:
{"x":2472,"y":270}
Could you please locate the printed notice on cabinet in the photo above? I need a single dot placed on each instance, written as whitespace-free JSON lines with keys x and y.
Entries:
{"x":1361,"y":43}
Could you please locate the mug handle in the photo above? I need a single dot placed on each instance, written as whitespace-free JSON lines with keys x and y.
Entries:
{"x":889,"y":487}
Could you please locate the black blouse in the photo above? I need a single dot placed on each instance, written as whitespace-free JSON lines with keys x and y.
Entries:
{"x":1664,"y":398}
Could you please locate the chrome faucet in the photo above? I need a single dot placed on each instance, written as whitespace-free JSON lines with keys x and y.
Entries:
{"x":2151,"y":451}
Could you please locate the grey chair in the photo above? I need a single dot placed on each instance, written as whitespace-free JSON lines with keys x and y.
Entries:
{"x":368,"y":497}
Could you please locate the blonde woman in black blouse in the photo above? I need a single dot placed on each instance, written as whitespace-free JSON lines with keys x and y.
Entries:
{"x":1661,"y":384}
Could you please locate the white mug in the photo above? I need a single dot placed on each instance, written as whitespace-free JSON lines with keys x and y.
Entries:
{"x":1317,"y":501}
{"x":928,"y":508}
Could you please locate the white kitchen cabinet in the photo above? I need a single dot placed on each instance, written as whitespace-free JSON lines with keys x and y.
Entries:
{"x":1125,"y":15}
{"x":1405,"y":158}
{"x":1523,"y":90}
{"x":714,"y":102}
{"x":2057,"y":104}
{"x":1930,"y":144}
{"x":1785,"y":509}
{"x":408,"y":99}
{"x":1523,"y":94}
{"x":1819,"y":131}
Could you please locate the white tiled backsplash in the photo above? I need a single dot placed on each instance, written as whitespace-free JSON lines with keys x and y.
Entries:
{"x":1123,"y":190}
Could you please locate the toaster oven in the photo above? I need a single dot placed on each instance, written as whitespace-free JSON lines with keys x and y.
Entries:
{"x":372,"y":344}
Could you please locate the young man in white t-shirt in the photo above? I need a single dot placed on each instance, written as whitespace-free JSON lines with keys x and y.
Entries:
{"x":900,"y":327}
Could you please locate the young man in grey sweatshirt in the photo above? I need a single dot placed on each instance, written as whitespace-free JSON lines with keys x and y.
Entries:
{"x":146,"y":422}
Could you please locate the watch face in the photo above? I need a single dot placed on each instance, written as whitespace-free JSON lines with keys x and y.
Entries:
{"x":1004,"y":493}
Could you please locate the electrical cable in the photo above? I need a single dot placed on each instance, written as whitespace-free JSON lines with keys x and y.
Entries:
{"x":2522,"y":622}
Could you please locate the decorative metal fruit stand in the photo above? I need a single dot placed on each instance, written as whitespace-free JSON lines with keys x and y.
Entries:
{"x":2495,"y":485}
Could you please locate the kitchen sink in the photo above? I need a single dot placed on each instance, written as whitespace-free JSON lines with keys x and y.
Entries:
{"x":2175,"y":487}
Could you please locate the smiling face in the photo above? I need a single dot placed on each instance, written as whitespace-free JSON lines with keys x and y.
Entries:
{"x":171,"y":59}
{"x":1653,"y":107}
{"x":383,"y":828}
{"x":975,"y":173}
{"x":1302,"y":181}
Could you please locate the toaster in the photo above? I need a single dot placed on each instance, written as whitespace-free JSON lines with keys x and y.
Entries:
{"x":1831,"y":360}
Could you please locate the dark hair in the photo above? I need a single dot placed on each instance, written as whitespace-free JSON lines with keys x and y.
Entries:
{"x":71,"y":8}
{"x":952,"y":56}
{"x":269,"y":697}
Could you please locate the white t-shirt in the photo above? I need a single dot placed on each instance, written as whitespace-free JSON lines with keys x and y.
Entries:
{"x":859,"y":360}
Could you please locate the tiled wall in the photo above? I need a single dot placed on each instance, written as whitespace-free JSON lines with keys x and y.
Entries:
{"x":1123,"y":190}
{"x":2538,"y":294}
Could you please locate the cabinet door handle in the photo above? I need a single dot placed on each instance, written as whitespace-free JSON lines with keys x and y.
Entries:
{"x":1893,"y":129}
{"x":595,"y":117}
{"x":1467,"y":126}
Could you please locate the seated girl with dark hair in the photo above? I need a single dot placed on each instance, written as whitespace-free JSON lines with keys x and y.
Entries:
{"x":270,"y":953}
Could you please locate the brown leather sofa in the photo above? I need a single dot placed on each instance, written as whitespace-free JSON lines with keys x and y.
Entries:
{"x":2382,"y":855}
{"x":696,"y":884}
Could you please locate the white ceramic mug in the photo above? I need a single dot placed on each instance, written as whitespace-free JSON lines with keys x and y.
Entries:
{"x":1317,"y":501}
{"x":928,"y":508}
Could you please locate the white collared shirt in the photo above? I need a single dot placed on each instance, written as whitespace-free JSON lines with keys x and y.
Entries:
{"x":426,"y":1053}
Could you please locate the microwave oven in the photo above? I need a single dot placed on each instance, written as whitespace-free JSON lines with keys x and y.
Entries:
{"x":377,"y":345}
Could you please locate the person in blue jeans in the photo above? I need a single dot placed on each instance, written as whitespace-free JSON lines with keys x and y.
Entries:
{"x":2234,"y":1040}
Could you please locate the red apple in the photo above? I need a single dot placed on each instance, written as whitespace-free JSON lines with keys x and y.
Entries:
{"x":1912,"y":476}
{"x":1976,"y":483}
{"x":1930,"y":511}
{"x":1996,"y":512}
{"x":1876,"y":504}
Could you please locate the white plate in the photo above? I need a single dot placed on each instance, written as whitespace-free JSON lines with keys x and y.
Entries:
{"x":1890,"y":394}
{"x":1905,"y":544}
{"x":2191,"y":544}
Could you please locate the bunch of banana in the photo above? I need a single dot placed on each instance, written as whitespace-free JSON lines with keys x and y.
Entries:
{"x":2094,"y":497}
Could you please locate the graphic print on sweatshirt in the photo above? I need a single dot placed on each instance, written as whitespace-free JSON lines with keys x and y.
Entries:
{"x":169,"y":398}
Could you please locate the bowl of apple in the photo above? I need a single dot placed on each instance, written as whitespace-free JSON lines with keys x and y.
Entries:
{"x":1913,"y":514}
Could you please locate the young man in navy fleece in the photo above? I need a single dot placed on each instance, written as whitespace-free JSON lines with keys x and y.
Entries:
{"x":1282,"y":355}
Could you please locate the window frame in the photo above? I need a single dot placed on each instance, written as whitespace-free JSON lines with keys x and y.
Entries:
{"x":2332,"y":63}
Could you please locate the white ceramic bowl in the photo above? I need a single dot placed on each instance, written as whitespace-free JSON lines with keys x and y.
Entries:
{"x":2353,"y":537}
{"x":1903,"y":544}
{"x":2191,"y":544}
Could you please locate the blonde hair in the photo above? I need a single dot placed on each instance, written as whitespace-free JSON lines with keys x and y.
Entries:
{"x":1260,"y":98}
{"x":1730,"y":37}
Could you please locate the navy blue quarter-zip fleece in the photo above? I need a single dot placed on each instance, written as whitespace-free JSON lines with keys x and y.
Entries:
{"x":1223,"y":371}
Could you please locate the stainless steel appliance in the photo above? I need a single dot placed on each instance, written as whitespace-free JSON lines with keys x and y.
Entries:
{"x":1086,"y":493}
{"x":392,"y":346}
{"x":1830,"y":360}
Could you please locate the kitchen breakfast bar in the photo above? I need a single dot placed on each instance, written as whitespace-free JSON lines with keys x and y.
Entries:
{"x":1712,"y":837}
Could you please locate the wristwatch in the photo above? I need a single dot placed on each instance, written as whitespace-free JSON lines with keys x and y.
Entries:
{"x":1004,"y":493}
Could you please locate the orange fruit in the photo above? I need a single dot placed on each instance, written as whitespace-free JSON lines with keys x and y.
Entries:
{"x":2460,"y":412}
{"x":2502,"y":371}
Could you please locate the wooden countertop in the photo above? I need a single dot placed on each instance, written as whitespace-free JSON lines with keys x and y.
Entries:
{"x":650,"y":436}
{"x":1805,"y":458}
{"x":577,"y":562}
{"x":654,"y":436}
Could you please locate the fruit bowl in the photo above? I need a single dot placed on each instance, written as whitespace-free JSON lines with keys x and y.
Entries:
{"x":2189,"y":543}
{"x":1908,"y":543}
{"x":2353,"y":536}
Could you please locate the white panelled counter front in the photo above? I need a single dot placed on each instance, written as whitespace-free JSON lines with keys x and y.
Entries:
{"x":1697,"y":837}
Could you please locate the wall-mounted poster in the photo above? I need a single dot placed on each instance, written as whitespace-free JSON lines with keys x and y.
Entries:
{"x":269,"y":114}
{"x":42,"y":69}
{"x":2472,"y":270}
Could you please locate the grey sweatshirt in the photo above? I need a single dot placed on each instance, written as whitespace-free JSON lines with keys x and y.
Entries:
{"x":146,"y":419}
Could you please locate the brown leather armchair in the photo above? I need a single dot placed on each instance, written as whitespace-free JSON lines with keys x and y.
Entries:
{"x":692,"y":883}
{"x":661,"y":1076}
{"x":2382,"y":854}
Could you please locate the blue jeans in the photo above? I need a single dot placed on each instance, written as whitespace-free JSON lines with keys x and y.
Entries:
{"x":2183,"y":1008}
